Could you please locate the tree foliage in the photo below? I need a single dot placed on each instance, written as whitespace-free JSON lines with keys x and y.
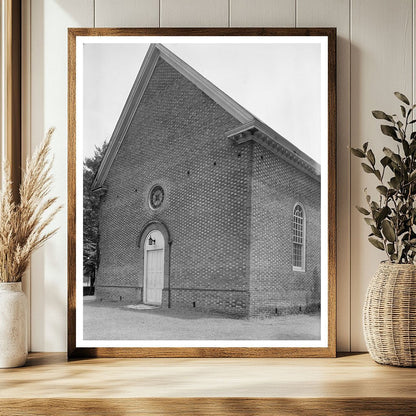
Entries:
{"x":392,"y":216}
{"x":91,"y":207}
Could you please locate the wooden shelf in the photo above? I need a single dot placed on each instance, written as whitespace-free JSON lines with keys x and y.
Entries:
{"x":350,"y":384}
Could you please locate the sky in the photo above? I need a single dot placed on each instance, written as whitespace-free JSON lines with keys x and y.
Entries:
{"x":279,"y":83}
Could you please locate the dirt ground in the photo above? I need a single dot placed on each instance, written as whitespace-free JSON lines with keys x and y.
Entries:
{"x":112,"y":321}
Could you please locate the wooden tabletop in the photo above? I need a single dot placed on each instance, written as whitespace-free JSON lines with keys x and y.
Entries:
{"x":49,"y":383}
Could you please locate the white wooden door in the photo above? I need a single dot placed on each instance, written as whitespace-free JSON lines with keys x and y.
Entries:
{"x":154,"y":269}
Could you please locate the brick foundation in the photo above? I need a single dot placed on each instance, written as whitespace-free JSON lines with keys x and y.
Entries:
{"x":118,"y":294}
{"x":233,"y":303}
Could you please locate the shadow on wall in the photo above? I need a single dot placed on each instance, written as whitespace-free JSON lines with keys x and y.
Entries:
{"x":37,"y":129}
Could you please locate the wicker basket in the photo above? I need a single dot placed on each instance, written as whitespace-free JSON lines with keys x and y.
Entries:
{"x":390,"y":315}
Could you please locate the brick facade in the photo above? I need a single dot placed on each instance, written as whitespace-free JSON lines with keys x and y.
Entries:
{"x":277,"y":186}
{"x":226,"y":212}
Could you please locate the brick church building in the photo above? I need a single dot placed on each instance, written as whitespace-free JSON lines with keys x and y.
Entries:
{"x":203,"y":205}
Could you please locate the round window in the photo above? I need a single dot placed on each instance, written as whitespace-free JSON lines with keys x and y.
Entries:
{"x":156,"y":196}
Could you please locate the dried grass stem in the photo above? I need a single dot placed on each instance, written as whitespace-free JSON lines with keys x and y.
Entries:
{"x":24,"y":226}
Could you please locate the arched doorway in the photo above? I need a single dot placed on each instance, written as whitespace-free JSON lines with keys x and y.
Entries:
{"x":154,"y":267}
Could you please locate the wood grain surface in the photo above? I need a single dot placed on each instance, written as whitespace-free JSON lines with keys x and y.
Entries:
{"x":347,"y":385}
{"x":209,"y":407}
{"x":329,"y":351}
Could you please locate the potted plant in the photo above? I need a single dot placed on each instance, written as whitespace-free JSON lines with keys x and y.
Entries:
{"x":23,"y":228}
{"x":390,"y":307}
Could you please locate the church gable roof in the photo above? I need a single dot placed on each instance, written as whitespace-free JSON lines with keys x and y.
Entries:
{"x":251,"y":128}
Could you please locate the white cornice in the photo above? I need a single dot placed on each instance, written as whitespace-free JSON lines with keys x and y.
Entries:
{"x":265,"y":136}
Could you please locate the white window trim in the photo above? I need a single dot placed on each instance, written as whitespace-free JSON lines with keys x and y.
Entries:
{"x":302,"y":268}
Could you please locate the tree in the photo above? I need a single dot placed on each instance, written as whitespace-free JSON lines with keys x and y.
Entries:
{"x":91,"y":203}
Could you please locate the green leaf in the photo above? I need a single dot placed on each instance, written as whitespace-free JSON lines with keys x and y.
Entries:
{"x":369,"y":221}
{"x":390,"y":248}
{"x":394,"y":167}
{"x":365,"y":145}
{"x":385,"y":160}
{"x":376,"y":231}
{"x":402,"y":97}
{"x":403,"y":111}
{"x":388,"y":230}
{"x":388,"y":152}
{"x":394,"y":182}
{"x":389,"y":131}
{"x":382,"y":214}
{"x":370,"y":157}
{"x":382,"y":189}
{"x":357,"y":152}
{"x":412,"y":176}
{"x":362,"y":210}
{"x":381,"y":115}
{"x":367,"y":168}
{"x":393,"y":156}
{"x":378,"y":174}
{"x":374,"y":205}
{"x":406,"y":147}
{"x":376,"y":243}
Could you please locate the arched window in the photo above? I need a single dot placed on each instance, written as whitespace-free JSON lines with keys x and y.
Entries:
{"x":298,"y":232}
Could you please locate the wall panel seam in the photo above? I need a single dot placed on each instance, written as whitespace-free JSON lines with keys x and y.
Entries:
{"x":349,"y":173}
{"x":30,"y":147}
{"x":296,"y":13}
{"x":28,"y":151}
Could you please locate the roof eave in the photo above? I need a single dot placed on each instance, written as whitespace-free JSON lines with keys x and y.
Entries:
{"x":262,"y":134}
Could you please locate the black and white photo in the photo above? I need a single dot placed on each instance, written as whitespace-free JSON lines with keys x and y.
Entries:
{"x":201,"y":172}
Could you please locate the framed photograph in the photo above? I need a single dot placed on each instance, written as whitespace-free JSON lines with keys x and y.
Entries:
{"x":201,"y":192}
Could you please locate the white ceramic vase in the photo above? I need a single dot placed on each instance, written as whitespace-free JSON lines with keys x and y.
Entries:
{"x":13,"y":325}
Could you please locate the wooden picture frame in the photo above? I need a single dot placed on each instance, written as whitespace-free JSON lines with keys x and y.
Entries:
{"x":246,"y":130}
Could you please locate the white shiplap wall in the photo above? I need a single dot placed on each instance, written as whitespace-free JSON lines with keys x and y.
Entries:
{"x":375,"y":57}
{"x":381,"y":63}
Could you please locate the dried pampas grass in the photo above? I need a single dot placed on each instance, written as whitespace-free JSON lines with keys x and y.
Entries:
{"x":24,"y":225}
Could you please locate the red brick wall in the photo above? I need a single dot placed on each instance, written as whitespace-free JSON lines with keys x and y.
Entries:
{"x":176,"y":139}
{"x":276,"y":187}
